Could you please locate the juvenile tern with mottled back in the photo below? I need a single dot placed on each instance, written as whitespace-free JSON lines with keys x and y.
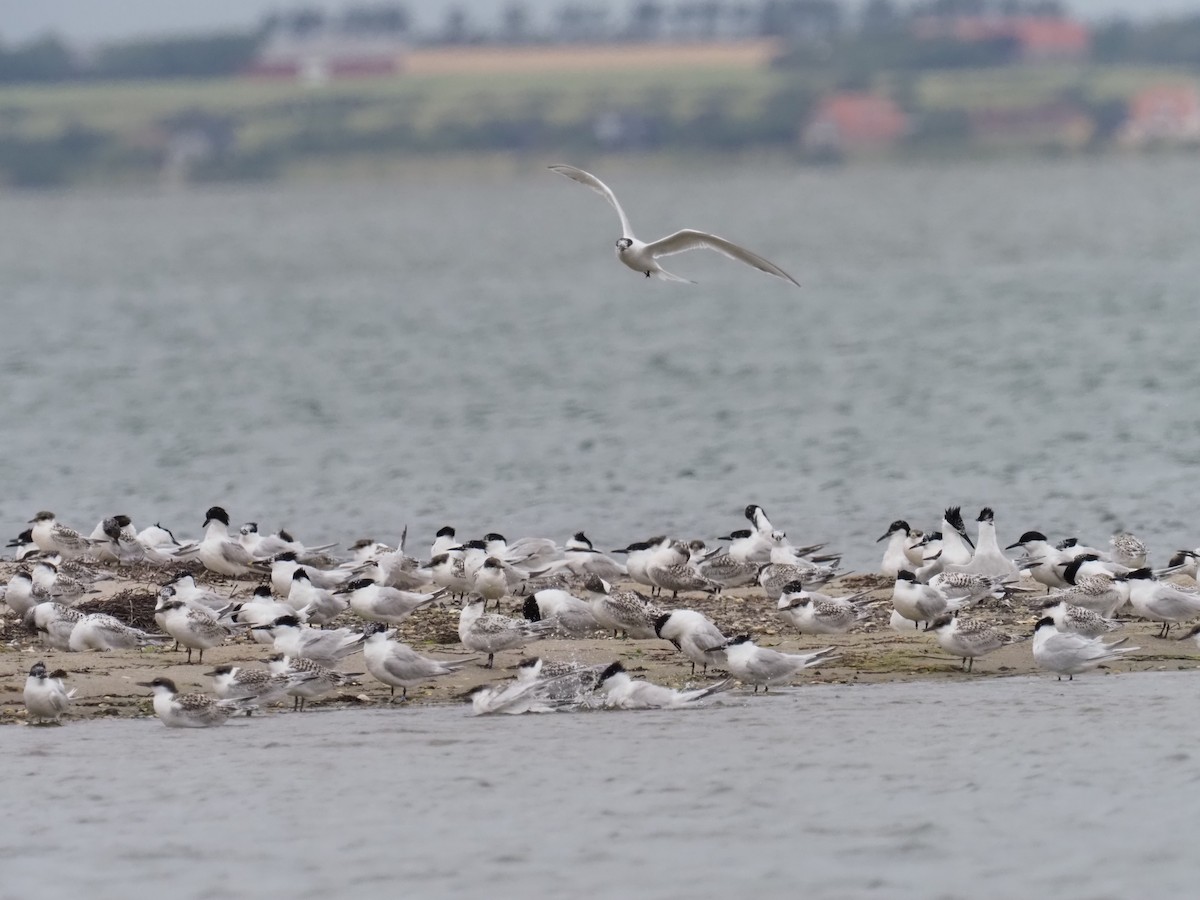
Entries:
{"x":324,"y":679}
{"x":1078,"y":619}
{"x":643,"y":257}
{"x":191,"y":710}
{"x":815,"y":613}
{"x":967,"y":638}
{"x":239,"y":683}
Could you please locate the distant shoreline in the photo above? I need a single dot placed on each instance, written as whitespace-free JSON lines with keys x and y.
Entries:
{"x":244,"y":129}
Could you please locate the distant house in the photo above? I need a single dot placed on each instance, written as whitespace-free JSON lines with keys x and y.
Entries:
{"x":1033,"y":38}
{"x":1057,"y":125}
{"x":1162,"y":114}
{"x":320,"y":55}
{"x":851,"y":122}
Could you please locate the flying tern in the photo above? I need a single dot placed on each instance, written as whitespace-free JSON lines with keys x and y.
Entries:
{"x":643,"y":257}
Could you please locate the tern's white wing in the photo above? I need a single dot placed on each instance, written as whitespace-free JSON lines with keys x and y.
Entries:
{"x":690,"y":239}
{"x":587,"y":179}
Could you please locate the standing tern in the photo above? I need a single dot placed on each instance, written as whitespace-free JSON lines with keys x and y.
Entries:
{"x":400,"y":666}
{"x":377,"y":603}
{"x":1078,"y":619}
{"x":490,"y":632}
{"x":218,"y":551}
{"x":623,"y":610}
{"x":694,"y":635}
{"x":196,"y":629}
{"x":988,"y":559}
{"x":761,"y":666}
{"x":324,"y":679}
{"x":814,"y":613}
{"x":52,"y":536}
{"x":322,"y":647}
{"x":921,"y":602}
{"x":45,"y":697}
{"x":967,"y":638}
{"x":1158,"y":601}
{"x":1128,"y":550}
{"x":643,"y":257}
{"x":1067,"y":653}
{"x":571,"y":616}
{"x":895,"y":556}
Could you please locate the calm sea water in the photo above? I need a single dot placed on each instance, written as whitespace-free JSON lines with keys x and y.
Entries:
{"x":993,"y":788}
{"x":345,"y":361}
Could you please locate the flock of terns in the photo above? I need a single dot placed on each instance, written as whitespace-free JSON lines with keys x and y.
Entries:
{"x":377,"y":584}
{"x":572,"y":590}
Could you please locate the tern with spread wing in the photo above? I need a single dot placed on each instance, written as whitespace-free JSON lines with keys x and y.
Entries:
{"x":643,"y":257}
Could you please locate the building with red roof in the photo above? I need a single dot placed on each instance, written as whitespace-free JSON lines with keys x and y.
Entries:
{"x":1034,"y":38}
{"x":854,"y":122}
{"x":1162,"y":114}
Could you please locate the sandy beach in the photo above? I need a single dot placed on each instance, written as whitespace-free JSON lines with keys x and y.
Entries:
{"x":872,"y":652}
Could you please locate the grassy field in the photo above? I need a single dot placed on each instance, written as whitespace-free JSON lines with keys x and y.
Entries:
{"x":444,"y":84}
{"x":1017,"y":86}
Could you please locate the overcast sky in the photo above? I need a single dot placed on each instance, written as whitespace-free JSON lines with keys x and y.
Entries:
{"x":93,"y":20}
